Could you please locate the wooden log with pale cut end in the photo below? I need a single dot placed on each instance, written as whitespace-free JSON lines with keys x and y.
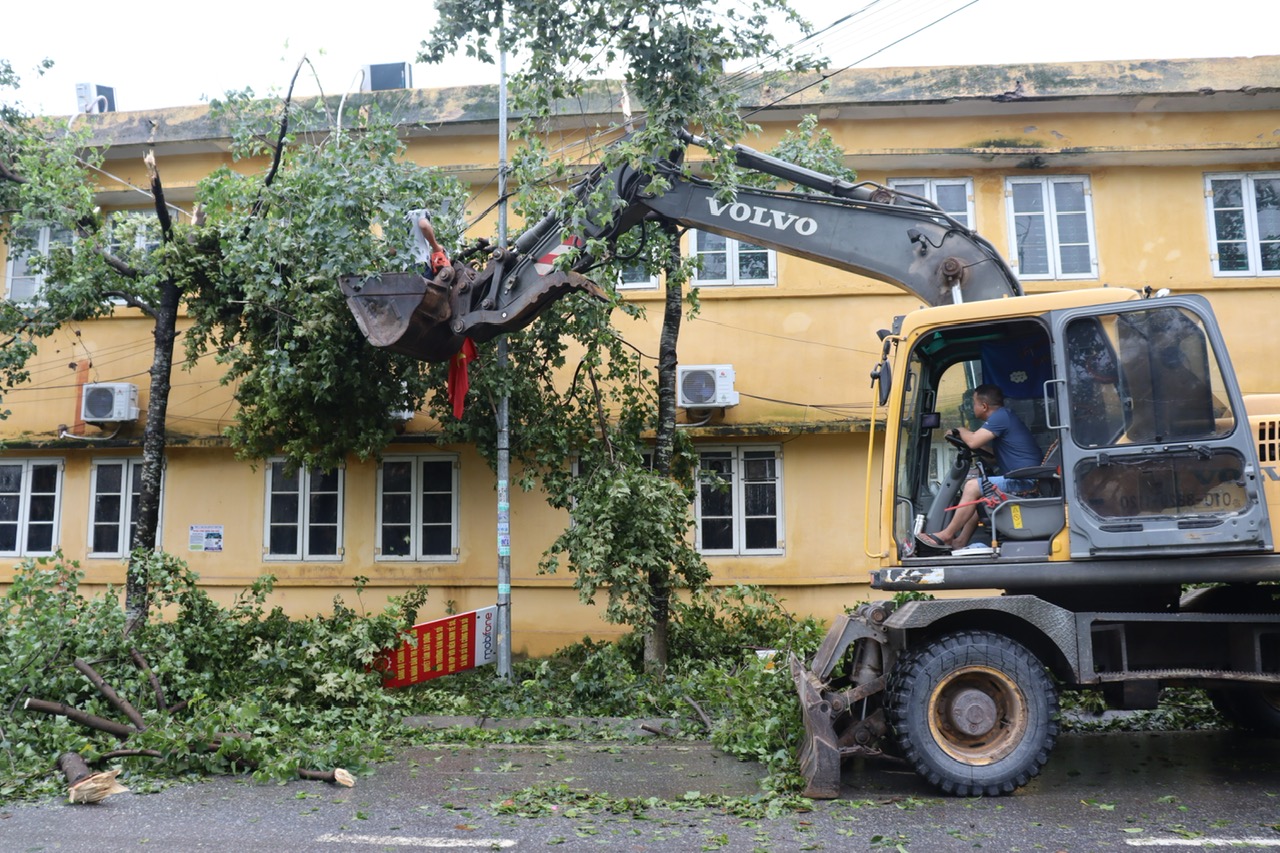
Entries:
{"x":336,"y":776}
{"x":85,"y":786}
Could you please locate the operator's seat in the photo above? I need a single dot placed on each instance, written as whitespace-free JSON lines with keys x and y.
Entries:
{"x":1039,"y":516}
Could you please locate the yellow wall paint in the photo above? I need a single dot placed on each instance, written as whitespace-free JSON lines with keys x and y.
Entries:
{"x":802,"y":351}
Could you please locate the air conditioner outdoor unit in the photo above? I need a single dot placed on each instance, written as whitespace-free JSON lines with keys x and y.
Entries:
{"x":705,"y":386}
{"x":105,"y":402}
{"x":387,"y":75}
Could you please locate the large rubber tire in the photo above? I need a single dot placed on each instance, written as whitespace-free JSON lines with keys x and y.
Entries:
{"x":1253,"y":707}
{"x":975,"y":713}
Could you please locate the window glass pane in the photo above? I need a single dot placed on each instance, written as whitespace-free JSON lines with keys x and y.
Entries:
{"x":8,"y":537}
{"x":41,"y":507}
{"x":1075,"y":259}
{"x":282,"y":480}
{"x":322,"y":509}
{"x":1073,"y":228}
{"x":1233,"y":257}
{"x":40,"y":538}
{"x":436,"y":541}
{"x":1266,"y":193}
{"x":284,"y":539}
{"x":760,"y":499}
{"x":397,"y":476}
{"x":709,"y":241}
{"x":753,"y":264}
{"x":110,"y":478}
{"x":1271,"y":256}
{"x":44,"y":478}
{"x":1228,"y":224}
{"x":1068,"y":196}
{"x":9,"y":507}
{"x":437,"y":508}
{"x":1027,"y":198}
{"x":1227,"y":193}
{"x":324,"y":481}
{"x":761,"y":533}
{"x":1033,"y":249}
{"x":952,"y":198}
{"x":10,"y":479}
{"x":717,"y":534}
{"x":106,"y":509}
{"x":397,"y":509}
{"x":714,"y":267}
{"x":106,"y":539}
{"x":322,"y":540}
{"x":284,"y":509}
{"x":915,"y":188}
{"x":395,"y":540}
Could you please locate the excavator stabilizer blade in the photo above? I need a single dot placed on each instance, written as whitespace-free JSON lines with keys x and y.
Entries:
{"x":819,"y":754}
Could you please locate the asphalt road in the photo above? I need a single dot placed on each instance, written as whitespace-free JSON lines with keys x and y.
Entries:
{"x":1099,"y":792}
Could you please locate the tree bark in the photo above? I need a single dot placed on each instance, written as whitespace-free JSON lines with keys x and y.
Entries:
{"x":655,"y":641}
{"x":154,"y":434}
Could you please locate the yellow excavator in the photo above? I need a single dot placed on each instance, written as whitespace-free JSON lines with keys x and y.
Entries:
{"x":1157,"y":476}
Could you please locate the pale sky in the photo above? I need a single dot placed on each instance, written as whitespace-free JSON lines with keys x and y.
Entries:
{"x":159,"y":55}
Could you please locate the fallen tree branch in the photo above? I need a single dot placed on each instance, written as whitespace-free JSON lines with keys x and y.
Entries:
{"x":122,"y":704}
{"x":706,"y":721}
{"x":141,"y":662}
{"x":93,"y":721}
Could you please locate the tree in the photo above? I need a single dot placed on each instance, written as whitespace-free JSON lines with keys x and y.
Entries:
{"x":673,"y":53}
{"x":256,"y":269}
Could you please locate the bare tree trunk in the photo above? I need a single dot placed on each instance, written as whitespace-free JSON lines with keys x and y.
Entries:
{"x":153,"y":442}
{"x":655,"y":641}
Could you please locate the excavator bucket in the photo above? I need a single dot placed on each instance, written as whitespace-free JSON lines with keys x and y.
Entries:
{"x":403,"y":312}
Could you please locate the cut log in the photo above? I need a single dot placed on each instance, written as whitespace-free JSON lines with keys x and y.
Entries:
{"x":84,"y":786}
{"x":336,"y":776}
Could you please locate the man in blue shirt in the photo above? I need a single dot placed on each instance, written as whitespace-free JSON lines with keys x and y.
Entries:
{"x":1014,"y":447}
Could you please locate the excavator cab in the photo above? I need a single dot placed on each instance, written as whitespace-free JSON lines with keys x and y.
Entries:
{"x":1135,"y":413}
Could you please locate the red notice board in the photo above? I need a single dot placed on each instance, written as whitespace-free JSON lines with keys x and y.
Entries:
{"x":441,"y":647}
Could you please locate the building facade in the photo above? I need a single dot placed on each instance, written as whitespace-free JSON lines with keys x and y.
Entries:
{"x":1161,"y":174}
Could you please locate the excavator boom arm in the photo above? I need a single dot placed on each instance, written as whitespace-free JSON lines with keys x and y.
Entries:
{"x":862,"y":228}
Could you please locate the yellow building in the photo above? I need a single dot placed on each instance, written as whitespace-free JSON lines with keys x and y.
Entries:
{"x":1119,"y":174}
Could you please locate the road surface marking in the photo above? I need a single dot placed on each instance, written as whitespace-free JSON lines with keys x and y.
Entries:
{"x":412,"y":841}
{"x":1203,"y":842}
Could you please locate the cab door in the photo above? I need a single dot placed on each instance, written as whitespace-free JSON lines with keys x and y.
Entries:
{"x":1158,"y":457}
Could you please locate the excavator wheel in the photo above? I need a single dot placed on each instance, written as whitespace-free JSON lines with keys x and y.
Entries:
{"x":1253,"y":707}
{"x":975,"y":713}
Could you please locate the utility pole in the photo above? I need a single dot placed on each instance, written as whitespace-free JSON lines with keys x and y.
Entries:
{"x":504,"y":402}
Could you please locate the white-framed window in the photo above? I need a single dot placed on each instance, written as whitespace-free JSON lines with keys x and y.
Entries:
{"x":303,"y":515}
{"x":1244,"y":222}
{"x":418,"y":508}
{"x":30,"y":506}
{"x":134,"y":230}
{"x":1051,"y":227}
{"x":634,"y":276}
{"x":739,"y":504}
{"x":729,"y":261}
{"x":115,"y":488}
{"x":953,"y":195}
{"x":23,"y":278}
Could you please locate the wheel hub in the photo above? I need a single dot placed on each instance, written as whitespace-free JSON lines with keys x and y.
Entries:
{"x":973,"y":712}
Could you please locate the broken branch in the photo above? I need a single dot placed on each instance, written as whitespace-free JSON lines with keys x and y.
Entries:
{"x":122,"y":704}
{"x":93,"y":721}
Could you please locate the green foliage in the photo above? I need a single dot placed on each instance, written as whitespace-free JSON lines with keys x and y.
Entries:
{"x":297,"y":693}
{"x":307,"y":383}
